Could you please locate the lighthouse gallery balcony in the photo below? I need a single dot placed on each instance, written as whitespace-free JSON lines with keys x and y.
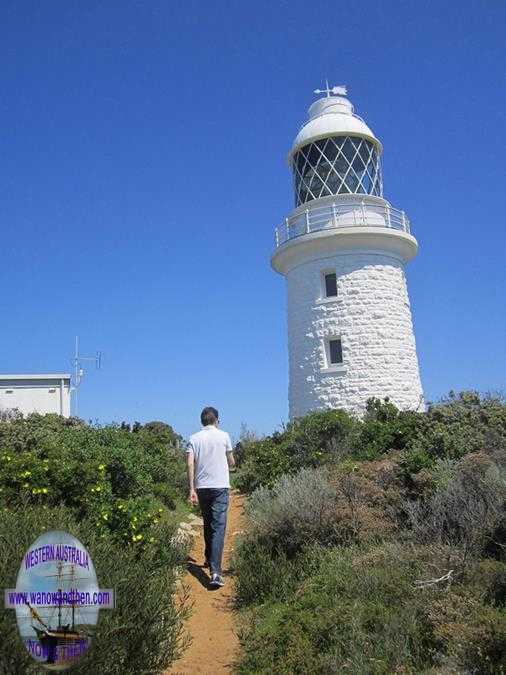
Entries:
{"x":343,"y":212}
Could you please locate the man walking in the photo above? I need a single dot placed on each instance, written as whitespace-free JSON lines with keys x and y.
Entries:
{"x":208,"y":458}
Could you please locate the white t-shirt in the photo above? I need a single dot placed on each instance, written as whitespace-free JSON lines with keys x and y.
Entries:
{"x":210,"y":447}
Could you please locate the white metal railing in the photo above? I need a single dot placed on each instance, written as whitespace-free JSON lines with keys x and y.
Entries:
{"x":346,"y":214}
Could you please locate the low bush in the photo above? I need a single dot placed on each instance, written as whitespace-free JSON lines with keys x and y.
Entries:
{"x":116,"y":489}
{"x":263,"y":574}
{"x":357,"y":613}
{"x":144,"y":633}
{"x":298,"y":509}
{"x":362,"y":611}
{"x":382,"y":429}
{"x":306,"y":442}
{"x":121,"y":479}
{"x":457,"y":425}
{"x":327,"y":505}
{"x":466,"y":509}
{"x":470,"y":632}
{"x":387,"y":553}
{"x":313,"y":506}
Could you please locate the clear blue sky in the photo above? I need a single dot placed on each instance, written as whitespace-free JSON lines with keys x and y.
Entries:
{"x":142,"y":151}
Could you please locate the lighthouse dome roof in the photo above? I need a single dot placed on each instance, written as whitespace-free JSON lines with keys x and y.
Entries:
{"x":332,"y":116}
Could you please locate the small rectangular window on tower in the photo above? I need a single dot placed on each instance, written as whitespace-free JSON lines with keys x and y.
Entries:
{"x":335,"y":352}
{"x":330,"y":284}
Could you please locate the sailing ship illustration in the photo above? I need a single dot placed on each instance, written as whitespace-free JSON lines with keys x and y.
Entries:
{"x":66,"y":641}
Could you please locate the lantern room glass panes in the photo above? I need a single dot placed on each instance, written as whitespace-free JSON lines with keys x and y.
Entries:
{"x":335,"y":166}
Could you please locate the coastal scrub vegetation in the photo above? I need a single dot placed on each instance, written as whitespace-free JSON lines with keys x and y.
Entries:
{"x":376,"y":545}
{"x":120,"y":490}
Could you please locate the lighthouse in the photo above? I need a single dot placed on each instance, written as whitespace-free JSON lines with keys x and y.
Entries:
{"x":343,"y":251}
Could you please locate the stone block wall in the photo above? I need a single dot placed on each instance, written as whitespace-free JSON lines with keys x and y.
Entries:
{"x":372,"y":316}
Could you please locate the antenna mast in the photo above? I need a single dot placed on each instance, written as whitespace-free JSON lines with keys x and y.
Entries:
{"x":77,"y":364}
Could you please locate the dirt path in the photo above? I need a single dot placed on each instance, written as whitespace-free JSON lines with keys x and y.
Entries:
{"x":212,"y":623}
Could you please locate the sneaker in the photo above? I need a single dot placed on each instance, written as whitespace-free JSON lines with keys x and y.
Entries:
{"x":216,"y":580}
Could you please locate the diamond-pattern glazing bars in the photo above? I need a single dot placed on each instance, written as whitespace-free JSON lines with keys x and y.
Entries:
{"x":336,"y":165}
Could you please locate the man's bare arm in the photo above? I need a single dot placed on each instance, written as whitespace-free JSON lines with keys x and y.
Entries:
{"x":190,"y":470}
{"x":230,"y":459}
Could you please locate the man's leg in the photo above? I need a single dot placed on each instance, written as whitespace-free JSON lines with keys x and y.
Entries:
{"x":205,"y":508}
{"x":219,"y":507}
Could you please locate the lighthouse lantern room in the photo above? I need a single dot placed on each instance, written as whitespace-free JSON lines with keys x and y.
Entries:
{"x":343,"y":251}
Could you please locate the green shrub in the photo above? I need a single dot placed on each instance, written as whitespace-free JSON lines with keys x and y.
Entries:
{"x":361,"y":611}
{"x":383,"y":428}
{"x":115,"y":489}
{"x":309,"y":441}
{"x":358,"y":612}
{"x":142,"y":634}
{"x":408,"y":497}
{"x":471,"y":632}
{"x":466,"y":510}
{"x":459,"y":424}
{"x":263,"y":573}
{"x":298,"y":509}
{"x":122,"y":480}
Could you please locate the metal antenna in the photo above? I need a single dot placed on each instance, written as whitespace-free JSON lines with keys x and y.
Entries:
{"x":77,"y":364}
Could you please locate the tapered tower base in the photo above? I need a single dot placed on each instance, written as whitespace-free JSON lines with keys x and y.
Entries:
{"x":371,"y":315}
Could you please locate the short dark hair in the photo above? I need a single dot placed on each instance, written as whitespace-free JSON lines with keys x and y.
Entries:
{"x":209,"y":416}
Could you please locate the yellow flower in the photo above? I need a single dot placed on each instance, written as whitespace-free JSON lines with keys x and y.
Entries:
{"x":25,"y":484}
{"x":44,"y":490}
{"x":101,"y":467}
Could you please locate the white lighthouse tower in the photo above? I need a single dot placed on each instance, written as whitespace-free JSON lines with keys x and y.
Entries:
{"x":343,"y":250}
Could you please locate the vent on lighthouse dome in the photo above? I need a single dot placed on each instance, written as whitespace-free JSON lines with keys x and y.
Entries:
{"x":335,"y":152}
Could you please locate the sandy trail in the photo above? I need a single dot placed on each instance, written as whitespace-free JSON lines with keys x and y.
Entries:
{"x":212,"y":623}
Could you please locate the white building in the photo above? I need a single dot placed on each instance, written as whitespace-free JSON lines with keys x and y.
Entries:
{"x":46,"y":393}
{"x":343,"y":250}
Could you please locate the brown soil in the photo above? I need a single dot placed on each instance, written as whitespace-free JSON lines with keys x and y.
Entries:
{"x":212,"y":623}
